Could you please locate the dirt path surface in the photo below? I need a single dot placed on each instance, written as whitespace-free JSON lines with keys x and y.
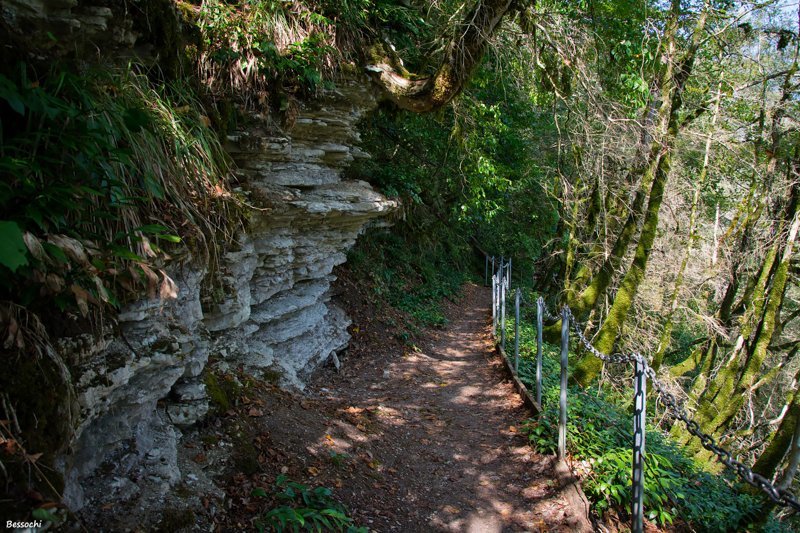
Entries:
{"x":418,"y":440}
{"x":440,"y":427}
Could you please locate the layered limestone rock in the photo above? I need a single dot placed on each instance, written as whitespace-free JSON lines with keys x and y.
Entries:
{"x":120,"y":379}
{"x":139,"y":385}
{"x":69,"y":25}
{"x":279,"y":316}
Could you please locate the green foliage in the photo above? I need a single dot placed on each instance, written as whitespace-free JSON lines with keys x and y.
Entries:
{"x":268,"y":51}
{"x":44,"y":515}
{"x":623,"y":51}
{"x":98,"y":174}
{"x":599,"y":433}
{"x":409,"y":277}
{"x":12,"y":246}
{"x":505,"y":179}
{"x":240,"y":40}
{"x":304,"y":509}
{"x":339,"y":459}
{"x":684,"y":340}
{"x":467,"y":175}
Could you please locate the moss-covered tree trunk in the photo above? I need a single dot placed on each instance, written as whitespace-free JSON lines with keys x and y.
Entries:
{"x":675,"y":74}
{"x":720,"y":399}
{"x":781,"y":440}
{"x":725,"y":395}
{"x":589,"y":367}
{"x":583,"y":301}
{"x":576,"y":275}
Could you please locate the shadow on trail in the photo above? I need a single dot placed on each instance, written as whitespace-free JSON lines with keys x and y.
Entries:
{"x":431,"y":438}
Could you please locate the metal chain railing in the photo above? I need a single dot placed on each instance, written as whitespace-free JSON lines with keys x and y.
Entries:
{"x":676,"y":410}
{"x":643,"y":372}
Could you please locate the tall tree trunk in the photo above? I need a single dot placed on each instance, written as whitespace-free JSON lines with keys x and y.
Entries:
{"x":576,"y":281}
{"x":705,"y":354}
{"x":572,"y":240}
{"x":673,"y":81}
{"x":589,"y":287}
{"x":584,"y":301}
{"x":726,"y":394}
{"x":720,"y":399}
{"x":781,"y":440}
{"x":589,"y":367}
{"x":784,"y":442}
{"x":666,"y":333}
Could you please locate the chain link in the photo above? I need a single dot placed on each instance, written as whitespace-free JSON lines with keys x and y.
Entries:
{"x":546,"y":312}
{"x":675,"y":409}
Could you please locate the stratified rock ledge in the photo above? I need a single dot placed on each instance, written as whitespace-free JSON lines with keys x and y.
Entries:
{"x":138,"y":388}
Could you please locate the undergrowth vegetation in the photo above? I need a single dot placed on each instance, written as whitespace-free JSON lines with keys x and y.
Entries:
{"x":102,"y":178}
{"x":410,"y":277}
{"x":302,"y":508}
{"x":678,"y":488}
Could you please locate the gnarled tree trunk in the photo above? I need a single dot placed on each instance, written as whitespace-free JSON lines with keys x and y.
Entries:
{"x":461,"y":57}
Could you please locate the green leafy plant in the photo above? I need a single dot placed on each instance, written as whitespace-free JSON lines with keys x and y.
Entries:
{"x":339,"y":459}
{"x":304,"y":509}
{"x":599,"y":433}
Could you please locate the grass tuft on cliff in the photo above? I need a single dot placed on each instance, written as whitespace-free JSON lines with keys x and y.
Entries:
{"x":103,"y":177}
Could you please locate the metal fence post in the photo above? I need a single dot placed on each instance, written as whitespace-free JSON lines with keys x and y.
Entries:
{"x":500,"y":270}
{"x":539,"y":312}
{"x":516,"y":332}
{"x":562,"y":403}
{"x":509,"y":271}
{"x":494,"y":305}
{"x":639,"y":412}
{"x":503,"y":313}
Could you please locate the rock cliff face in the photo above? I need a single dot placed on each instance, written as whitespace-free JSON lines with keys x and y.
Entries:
{"x":139,"y":385}
{"x":278,"y":315}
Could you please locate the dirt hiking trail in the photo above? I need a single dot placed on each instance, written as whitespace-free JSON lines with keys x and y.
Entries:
{"x":423,"y":440}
